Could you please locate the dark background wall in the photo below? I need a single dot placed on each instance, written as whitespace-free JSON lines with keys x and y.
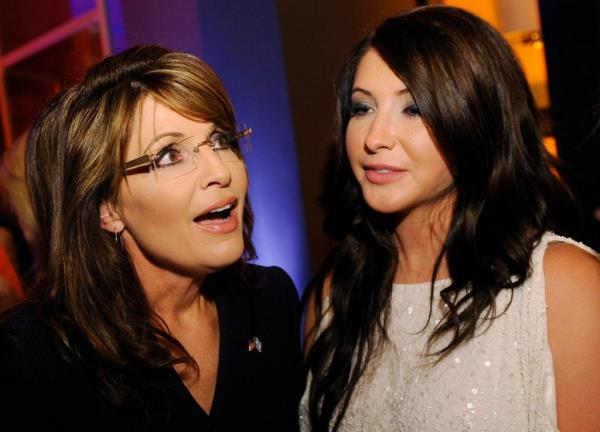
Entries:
{"x":572,"y":40}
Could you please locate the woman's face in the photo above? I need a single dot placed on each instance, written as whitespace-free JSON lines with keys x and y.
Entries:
{"x":190,"y":225}
{"x":392,"y":155}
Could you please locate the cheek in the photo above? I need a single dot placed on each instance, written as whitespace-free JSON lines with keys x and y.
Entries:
{"x":439,"y":164}
{"x":423,"y":151}
{"x":354,"y":145}
{"x":145,"y":206}
{"x":438,"y":171}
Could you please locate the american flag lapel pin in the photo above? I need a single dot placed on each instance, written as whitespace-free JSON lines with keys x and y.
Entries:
{"x":255,"y":344}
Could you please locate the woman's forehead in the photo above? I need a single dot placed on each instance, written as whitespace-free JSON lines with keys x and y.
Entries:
{"x":153,"y":119}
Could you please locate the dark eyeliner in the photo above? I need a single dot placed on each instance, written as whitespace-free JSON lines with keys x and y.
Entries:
{"x":412,"y":110}
{"x":357,"y":109}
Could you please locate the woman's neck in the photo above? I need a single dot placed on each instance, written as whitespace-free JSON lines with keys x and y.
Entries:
{"x":420,"y":236}
{"x":172,"y":297}
{"x":171,"y":294}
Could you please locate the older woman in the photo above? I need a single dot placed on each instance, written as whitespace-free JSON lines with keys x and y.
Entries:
{"x":145,"y":314}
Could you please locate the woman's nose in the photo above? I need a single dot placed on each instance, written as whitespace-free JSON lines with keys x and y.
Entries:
{"x":211,"y":169}
{"x":379,"y":135}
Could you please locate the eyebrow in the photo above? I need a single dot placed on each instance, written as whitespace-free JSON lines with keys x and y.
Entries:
{"x":368,"y":93}
{"x":161,"y":136}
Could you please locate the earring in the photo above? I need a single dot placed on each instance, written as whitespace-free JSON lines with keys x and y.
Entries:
{"x":118,"y":238}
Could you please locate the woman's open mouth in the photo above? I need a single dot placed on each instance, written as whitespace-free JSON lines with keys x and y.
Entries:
{"x":219,"y":218}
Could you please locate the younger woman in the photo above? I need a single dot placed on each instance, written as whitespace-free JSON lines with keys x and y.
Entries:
{"x":450,"y":303}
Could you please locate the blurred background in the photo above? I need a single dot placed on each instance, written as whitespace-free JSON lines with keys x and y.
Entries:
{"x":278,"y":60}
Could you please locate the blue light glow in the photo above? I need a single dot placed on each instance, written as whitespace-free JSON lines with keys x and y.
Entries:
{"x":241,"y":41}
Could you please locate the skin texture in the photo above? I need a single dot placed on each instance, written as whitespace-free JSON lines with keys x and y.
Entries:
{"x":171,"y":252}
{"x":386,"y":131}
{"x":159,"y":218}
{"x":573,"y":299}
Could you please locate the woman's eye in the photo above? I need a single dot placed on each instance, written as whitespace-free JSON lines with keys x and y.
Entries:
{"x":168,"y":156}
{"x":359,"y":109}
{"x":412,"y":110}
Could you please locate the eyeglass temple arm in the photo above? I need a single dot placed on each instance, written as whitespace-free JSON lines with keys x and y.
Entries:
{"x":142,"y":161}
{"x":243,"y":133}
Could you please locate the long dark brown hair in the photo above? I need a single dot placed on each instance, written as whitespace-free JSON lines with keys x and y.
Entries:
{"x":86,"y":285}
{"x":476,"y":104}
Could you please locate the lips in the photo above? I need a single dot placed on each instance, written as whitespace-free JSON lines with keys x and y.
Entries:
{"x":219,"y":218}
{"x":383,"y":174}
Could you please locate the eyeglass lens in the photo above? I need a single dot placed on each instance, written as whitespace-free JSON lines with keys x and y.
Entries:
{"x":179,"y":158}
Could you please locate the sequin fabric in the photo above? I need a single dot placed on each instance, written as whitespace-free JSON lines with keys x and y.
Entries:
{"x":501,"y":380}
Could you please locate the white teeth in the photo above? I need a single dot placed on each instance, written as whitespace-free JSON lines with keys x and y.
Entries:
{"x":220,"y":209}
{"x":382,"y":171}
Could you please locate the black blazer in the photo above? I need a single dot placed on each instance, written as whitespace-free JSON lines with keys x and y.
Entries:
{"x":255,"y":391}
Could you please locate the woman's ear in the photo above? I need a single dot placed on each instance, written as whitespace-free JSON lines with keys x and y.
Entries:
{"x":110,"y":220}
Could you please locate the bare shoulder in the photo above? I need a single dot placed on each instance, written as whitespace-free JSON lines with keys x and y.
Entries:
{"x":572,"y":290}
{"x":572,"y":275}
{"x":312,"y":314}
{"x":573,"y":299}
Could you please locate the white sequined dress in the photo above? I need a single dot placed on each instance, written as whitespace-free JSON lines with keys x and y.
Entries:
{"x":502,"y":380}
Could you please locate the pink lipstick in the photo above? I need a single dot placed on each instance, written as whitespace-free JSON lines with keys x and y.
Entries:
{"x":219,"y":218}
{"x":383,"y":174}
